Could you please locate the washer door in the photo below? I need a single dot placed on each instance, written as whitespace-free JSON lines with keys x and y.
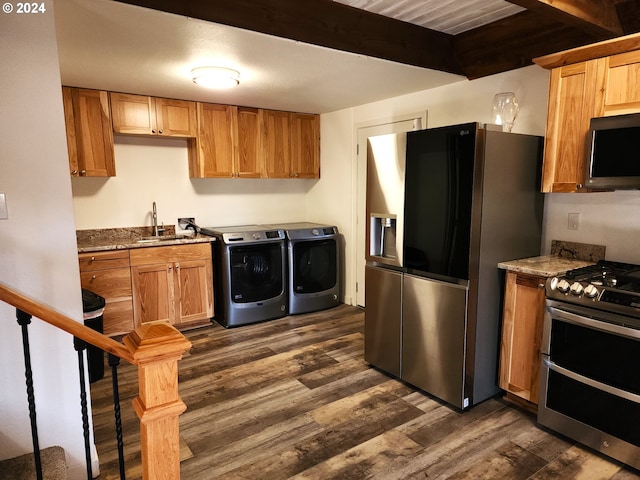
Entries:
{"x":256,"y":272}
{"x":314,"y":266}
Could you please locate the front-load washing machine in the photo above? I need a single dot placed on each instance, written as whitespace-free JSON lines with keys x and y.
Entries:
{"x":313,"y":266}
{"x":250,"y":274}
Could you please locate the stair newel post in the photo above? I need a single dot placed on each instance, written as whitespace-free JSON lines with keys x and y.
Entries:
{"x":24,"y":319}
{"x":156,"y":349}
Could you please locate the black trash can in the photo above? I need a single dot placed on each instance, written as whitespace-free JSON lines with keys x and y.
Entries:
{"x":93,"y":308}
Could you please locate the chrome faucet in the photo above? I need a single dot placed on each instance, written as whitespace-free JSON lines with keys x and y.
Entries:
{"x":154,"y":216}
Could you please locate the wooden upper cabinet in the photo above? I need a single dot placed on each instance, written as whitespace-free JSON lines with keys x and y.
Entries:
{"x":142,"y":115}
{"x":249,"y":152}
{"x":619,"y":84}
{"x":216,"y":142}
{"x":176,"y":118}
{"x":572,"y":104}
{"x":305,"y":144}
{"x":89,"y":134}
{"x":229,"y":142}
{"x":586,"y":82}
{"x":277,"y":144}
{"x":291,"y":144}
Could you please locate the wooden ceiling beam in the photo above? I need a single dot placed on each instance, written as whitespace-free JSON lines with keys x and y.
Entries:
{"x":514,"y":41}
{"x":593,"y":16}
{"x":325,"y":23}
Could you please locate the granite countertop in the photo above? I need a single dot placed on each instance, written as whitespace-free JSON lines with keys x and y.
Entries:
{"x":126,"y":238}
{"x":564,"y":256}
{"x":544,"y":266}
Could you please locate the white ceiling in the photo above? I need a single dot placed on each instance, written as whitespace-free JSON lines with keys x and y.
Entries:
{"x":114,"y":46}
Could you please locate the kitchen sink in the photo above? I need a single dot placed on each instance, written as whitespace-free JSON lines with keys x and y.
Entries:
{"x":161,"y":238}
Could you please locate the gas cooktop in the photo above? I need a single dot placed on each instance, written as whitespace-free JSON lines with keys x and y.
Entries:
{"x":607,"y":285}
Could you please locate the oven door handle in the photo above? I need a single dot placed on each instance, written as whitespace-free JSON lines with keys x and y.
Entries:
{"x":603,"y":326}
{"x":590,"y":382}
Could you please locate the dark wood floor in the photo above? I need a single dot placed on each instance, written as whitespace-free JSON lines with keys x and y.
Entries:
{"x":294,"y":398}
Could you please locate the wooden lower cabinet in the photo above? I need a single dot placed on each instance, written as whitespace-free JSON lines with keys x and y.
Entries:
{"x":522,"y":335}
{"x":108,"y":274}
{"x":172,"y":283}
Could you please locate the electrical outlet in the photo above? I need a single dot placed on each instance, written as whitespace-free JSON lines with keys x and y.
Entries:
{"x":574,"y":221}
{"x":184,"y":222}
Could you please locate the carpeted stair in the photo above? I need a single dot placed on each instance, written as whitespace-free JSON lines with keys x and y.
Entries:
{"x":54,"y":466}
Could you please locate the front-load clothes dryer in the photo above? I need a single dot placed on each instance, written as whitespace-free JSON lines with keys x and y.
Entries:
{"x":313,"y":266}
{"x":250,"y":274}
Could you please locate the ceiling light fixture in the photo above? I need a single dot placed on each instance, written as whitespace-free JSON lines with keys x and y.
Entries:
{"x":215,"y":77}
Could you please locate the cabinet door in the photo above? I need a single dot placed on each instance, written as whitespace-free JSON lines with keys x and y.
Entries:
{"x":277,"y":145}
{"x":571,"y":105}
{"x":133,"y":114}
{"x":195,"y":286}
{"x":176,"y":118}
{"x":216,"y":139}
{"x":305,"y":145}
{"x":153,"y":293}
{"x":249,"y":157}
{"x":89,"y":134}
{"x":619,"y":77}
{"x":522,"y":335}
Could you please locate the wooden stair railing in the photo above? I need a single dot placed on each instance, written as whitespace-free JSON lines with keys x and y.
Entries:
{"x":156,"y":349}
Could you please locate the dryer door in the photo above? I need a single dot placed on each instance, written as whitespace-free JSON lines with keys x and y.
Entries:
{"x":256,"y":272}
{"x":314,"y":265}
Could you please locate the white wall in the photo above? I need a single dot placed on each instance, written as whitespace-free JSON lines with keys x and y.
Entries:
{"x":606,"y":218}
{"x":157,"y":169}
{"x":38,"y":252}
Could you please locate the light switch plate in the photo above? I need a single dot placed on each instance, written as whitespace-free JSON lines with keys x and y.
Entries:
{"x":4,"y":214}
{"x":573,"y":221}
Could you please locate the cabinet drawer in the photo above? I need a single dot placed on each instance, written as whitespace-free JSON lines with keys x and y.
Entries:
{"x":103,"y":260}
{"x":110,"y":284}
{"x":170,"y":253}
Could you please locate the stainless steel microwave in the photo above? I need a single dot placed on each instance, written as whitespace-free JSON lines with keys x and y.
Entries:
{"x":613,"y":153}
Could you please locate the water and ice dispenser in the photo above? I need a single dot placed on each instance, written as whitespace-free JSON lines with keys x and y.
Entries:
{"x":383,"y":238}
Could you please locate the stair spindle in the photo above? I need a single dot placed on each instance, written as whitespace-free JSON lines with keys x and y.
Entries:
{"x":81,"y":346}
{"x":24,"y":319}
{"x":114,"y":362}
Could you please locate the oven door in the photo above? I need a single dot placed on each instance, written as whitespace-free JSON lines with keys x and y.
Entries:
{"x":590,"y":385}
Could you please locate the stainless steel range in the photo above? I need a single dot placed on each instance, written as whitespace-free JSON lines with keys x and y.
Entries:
{"x":590,"y":372}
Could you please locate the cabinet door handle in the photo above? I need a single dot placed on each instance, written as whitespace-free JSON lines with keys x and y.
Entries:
{"x":83,"y":172}
{"x":93,"y":277}
{"x":177,"y":266}
{"x":541,"y":285}
{"x":74,"y":172}
{"x":160,"y":132}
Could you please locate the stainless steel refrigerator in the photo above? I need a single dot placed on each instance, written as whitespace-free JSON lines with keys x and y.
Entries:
{"x":444,"y":207}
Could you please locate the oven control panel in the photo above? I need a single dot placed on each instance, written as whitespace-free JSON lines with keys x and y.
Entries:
{"x":584,"y":293}
{"x":572,"y":291}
